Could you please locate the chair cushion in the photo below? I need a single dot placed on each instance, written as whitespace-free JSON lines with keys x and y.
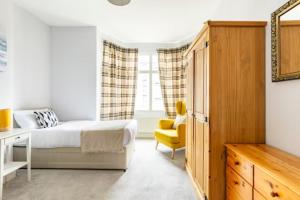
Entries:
{"x":167,"y":135}
{"x":180,"y":119}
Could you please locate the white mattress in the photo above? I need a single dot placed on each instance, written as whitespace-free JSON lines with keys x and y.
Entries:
{"x":67,"y":134}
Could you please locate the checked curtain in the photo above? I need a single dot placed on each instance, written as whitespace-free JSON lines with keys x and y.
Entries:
{"x":118,"y":82}
{"x":172,"y":73}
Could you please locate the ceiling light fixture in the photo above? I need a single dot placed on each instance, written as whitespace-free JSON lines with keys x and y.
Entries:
{"x":120,"y":2}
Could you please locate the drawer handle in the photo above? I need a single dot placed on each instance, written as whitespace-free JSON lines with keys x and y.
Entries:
{"x":236,"y":183}
{"x":236,"y":163}
{"x":274,"y":194}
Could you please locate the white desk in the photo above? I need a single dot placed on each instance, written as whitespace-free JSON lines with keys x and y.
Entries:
{"x":9,"y":138}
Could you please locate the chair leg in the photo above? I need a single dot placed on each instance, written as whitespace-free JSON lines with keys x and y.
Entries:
{"x":156,"y":145}
{"x":173,"y":154}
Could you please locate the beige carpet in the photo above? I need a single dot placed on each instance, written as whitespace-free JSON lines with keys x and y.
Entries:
{"x":152,"y":175}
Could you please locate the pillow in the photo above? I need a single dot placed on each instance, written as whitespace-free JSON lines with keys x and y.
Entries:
{"x":46,"y":119}
{"x":180,"y":119}
{"x":26,"y":118}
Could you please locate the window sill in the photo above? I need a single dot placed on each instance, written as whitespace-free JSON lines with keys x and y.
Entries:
{"x":149,"y":114}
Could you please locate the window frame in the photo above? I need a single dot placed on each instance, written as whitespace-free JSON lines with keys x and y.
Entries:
{"x":150,"y":73}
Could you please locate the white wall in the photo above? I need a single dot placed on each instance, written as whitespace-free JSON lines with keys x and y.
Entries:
{"x":6,"y":83}
{"x":26,"y":83}
{"x":283,"y":107}
{"x":31,"y":61}
{"x":30,"y":82}
{"x":282,"y":99}
{"x":73,"y":72}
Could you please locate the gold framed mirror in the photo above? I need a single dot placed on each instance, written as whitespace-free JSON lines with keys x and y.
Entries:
{"x":286,"y":42}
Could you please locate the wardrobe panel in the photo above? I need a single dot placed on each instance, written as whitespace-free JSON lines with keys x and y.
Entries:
{"x":199,"y":79}
{"x":237,"y":90}
{"x":190,"y":83}
{"x":190,"y":143}
{"x":199,"y":153}
{"x":206,"y":156}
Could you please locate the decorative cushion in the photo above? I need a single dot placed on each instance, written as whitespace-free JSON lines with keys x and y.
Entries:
{"x":180,"y":119}
{"x":46,"y":119}
{"x":26,"y":118}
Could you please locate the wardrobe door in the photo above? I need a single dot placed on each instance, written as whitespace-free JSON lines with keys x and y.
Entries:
{"x":199,"y":110}
{"x":200,"y":113}
{"x":206,"y":131}
{"x":201,"y":77}
{"x":190,"y":114}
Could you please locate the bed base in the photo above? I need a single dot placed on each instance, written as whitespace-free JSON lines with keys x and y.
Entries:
{"x":73,"y":158}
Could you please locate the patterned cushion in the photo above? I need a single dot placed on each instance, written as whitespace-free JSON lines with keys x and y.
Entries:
{"x":180,"y":119}
{"x":46,"y":119}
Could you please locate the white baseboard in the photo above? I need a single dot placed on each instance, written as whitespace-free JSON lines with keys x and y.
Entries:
{"x":145,"y":135}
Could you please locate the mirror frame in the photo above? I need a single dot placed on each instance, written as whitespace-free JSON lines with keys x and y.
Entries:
{"x":276,"y":76}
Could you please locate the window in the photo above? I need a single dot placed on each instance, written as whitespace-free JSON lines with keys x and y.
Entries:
{"x":148,"y":94}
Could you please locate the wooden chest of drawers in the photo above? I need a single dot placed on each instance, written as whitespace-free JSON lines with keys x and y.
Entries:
{"x":261,"y":172}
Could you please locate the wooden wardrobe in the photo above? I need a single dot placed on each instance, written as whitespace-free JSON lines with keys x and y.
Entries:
{"x":225,"y":99}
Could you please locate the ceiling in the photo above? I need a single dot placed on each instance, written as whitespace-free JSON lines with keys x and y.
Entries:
{"x":142,"y":21}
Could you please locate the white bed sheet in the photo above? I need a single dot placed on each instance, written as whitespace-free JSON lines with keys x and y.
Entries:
{"x":67,"y":134}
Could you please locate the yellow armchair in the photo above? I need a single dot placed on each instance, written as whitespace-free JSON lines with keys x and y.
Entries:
{"x":166,"y":123}
{"x":170,"y":136}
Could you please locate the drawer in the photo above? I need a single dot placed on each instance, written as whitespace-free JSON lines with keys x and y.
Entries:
{"x":258,"y":196}
{"x":236,"y":186}
{"x":15,"y":139}
{"x":242,"y":166}
{"x":271,"y":188}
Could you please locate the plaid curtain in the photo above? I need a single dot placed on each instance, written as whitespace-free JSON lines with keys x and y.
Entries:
{"x":118,"y":82}
{"x":172,"y":73}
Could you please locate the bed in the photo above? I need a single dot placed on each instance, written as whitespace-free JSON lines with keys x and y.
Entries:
{"x":61,"y":146}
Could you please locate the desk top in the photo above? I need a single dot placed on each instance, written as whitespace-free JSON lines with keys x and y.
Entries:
{"x":13,"y":132}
